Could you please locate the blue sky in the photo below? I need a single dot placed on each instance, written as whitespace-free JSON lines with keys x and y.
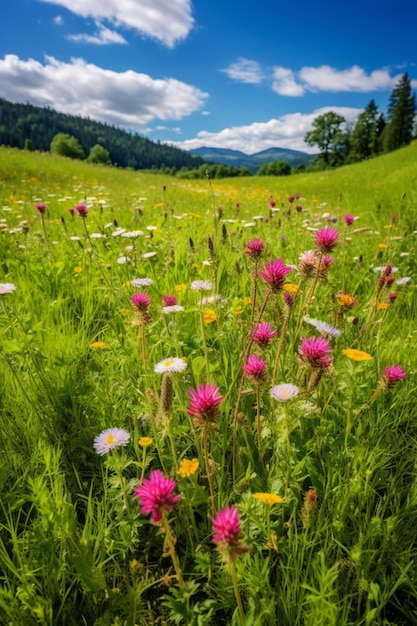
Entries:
{"x":245,"y":75}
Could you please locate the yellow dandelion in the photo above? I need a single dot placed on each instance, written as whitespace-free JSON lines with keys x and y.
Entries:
{"x":145,"y":441}
{"x":291,"y":288}
{"x":357,"y":355}
{"x":268,"y":498}
{"x":380,"y":306}
{"x":78,"y":269}
{"x":196,"y":266}
{"x":247,"y":300}
{"x":159,"y":204}
{"x":188,"y":467}
{"x":181,"y":288}
{"x":126,"y":283}
{"x":209,"y":316}
{"x":382,"y":246}
{"x":346,"y":299}
{"x":238,"y":309}
{"x":97,"y":345}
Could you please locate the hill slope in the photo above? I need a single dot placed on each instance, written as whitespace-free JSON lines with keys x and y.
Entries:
{"x":252,"y":161}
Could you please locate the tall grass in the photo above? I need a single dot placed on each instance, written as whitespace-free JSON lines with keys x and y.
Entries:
{"x":74,"y":546}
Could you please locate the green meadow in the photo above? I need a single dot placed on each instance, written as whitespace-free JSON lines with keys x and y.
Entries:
{"x":207,"y":396}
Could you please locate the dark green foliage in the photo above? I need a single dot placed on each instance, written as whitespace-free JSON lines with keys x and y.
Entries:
{"x":401,"y":113}
{"x":68,"y":146}
{"x":275,"y":168}
{"x":328,"y":135}
{"x":365,"y":139}
{"x":98,"y":154}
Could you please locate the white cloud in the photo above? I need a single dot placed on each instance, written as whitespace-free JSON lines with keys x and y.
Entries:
{"x":102,"y":37}
{"x":245,"y":71}
{"x":326,"y":78}
{"x":126,"y":99}
{"x":284,"y":83}
{"x":58,"y":20}
{"x":166,"y":20}
{"x":287,"y":131}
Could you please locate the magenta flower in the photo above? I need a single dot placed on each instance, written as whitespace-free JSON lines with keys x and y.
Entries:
{"x":272,"y":203}
{"x":81,"y":210}
{"x":255,"y":369}
{"x":274,"y":274}
{"x":291,"y":199}
{"x":41,"y":208}
{"x":169,"y":301}
{"x":71,"y":210}
{"x":326,"y":239}
{"x":227,"y":530}
{"x":263,"y":334}
{"x":392,"y":375}
{"x":254,"y":248}
{"x":141,"y":301}
{"x":156,"y":495}
{"x":349,"y":219}
{"x":314,"y":351}
{"x":203,"y":403}
{"x":307,"y":266}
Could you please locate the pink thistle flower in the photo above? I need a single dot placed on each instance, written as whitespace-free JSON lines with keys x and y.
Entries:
{"x":71,"y":210}
{"x":315,"y":351}
{"x":349,"y":219}
{"x":156,"y":495}
{"x":141,"y":301}
{"x":203,"y":403}
{"x":227,"y":530}
{"x":326,"y":239}
{"x":297,"y":196}
{"x":289,"y":299}
{"x":254,"y":248}
{"x":169,"y":301}
{"x":255,"y":368}
{"x":41,"y":207}
{"x":307,"y":265}
{"x":263,"y":334}
{"x":392,"y":297}
{"x":392,"y":375}
{"x":272,"y":203}
{"x":274,"y":274}
{"x":81,"y":210}
{"x":291,"y":199}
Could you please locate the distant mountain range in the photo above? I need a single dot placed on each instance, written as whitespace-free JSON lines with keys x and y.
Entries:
{"x":253,"y":161}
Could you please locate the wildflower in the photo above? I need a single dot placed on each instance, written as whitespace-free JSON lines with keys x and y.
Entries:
{"x":41,"y":207}
{"x":349,"y":219}
{"x":382,"y":246}
{"x":141,"y":301}
{"x":291,"y":288}
{"x":6,"y":288}
{"x":346,"y":301}
{"x":227,"y":530}
{"x":173,"y":365}
{"x":148,"y":255}
{"x":188,"y":467}
{"x":392,"y":297}
{"x":209,"y":316}
{"x":274,"y":274}
{"x":203,"y":403}
{"x":238,"y":309}
{"x":181,"y":288}
{"x":71,"y":211}
{"x":357,"y":355}
{"x":78,"y":269}
{"x":326,"y":239}
{"x":123,"y":259}
{"x":142,"y":282}
{"x":307,"y":265}
{"x":145,"y":441}
{"x":169,"y":301}
{"x":110,"y":439}
{"x":314,"y":351}
{"x":291,"y":199}
{"x":201,"y":285}
{"x":81,"y":210}
{"x":263,"y":334}
{"x":156,"y":495}
{"x":255,"y":369}
{"x":310,"y":501}
{"x":326,"y":329}
{"x":272,"y":203}
{"x":403,"y":281}
{"x":175,"y":308}
{"x":392,"y":375}
{"x":268,"y":498}
{"x":254,"y":248}
{"x":284,"y":392}
{"x":100,"y":345}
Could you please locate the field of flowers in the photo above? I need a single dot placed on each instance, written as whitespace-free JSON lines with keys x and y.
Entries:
{"x":207,"y":396}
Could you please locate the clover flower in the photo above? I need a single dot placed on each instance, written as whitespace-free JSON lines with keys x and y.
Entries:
{"x":326,"y":239}
{"x":255,"y":248}
{"x":349,"y":219}
{"x":110,"y":439}
{"x":263,"y":334}
{"x":227,"y":530}
{"x":141,"y":301}
{"x":255,"y":368}
{"x":274,"y":274}
{"x":203,"y":403}
{"x":314,"y":351}
{"x":156,"y":495}
{"x":41,"y":207}
{"x":169,"y":301}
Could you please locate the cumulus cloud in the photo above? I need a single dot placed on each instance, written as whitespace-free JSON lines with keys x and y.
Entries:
{"x":245,"y":71}
{"x":102,"y":37}
{"x":127,"y":99}
{"x":58,"y":20}
{"x":165,"y":20}
{"x":287,"y":131}
{"x":284,"y":83}
{"x":326,"y":78}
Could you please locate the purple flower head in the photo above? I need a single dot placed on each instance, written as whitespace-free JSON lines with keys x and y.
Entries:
{"x":169,"y":300}
{"x":297,"y":195}
{"x":203,"y":403}
{"x":349,"y":219}
{"x":156,"y":495}
{"x":81,"y":210}
{"x":263,"y":334}
{"x":392,"y":375}
{"x":41,"y":207}
{"x":272,"y":203}
{"x":255,"y":369}
{"x":291,"y":199}
{"x":71,"y":210}
{"x":307,"y":263}
{"x":326,"y":239}
{"x":393,"y":218}
{"x":255,"y":248}
{"x":141,"y":301}
{"x":227,"y":530}
{"x":274,"y":274}
{"x":314,"y":351}
{"x":289,"y":299}
{"x":164,"y":187}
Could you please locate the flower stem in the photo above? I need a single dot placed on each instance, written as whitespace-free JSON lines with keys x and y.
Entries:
{"x":208,"y":469}
{"x":172,"y":551}
{"x":237,"y":591}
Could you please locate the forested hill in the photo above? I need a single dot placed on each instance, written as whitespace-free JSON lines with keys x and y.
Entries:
{"x":21,"y":122}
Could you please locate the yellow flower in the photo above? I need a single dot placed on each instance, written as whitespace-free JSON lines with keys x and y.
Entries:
{"x":194,"y":215}
{"x":181,"y":288}
{"x":97,"y":345}
{"x":126,"y":283}
{"x":269,"y":498}
{"x":247,"y":300}
{"x":357,"y":355}
{"x":346,"y":299}
{"x":209,"y":316}
{"x":238,"y":309}
{"x":291,"y":288}
{"x":145,"y":441}
{"x":382,"y":246}
{"x":381,"y":306}
{"x":188,"y":467}
{"x":159,"y":204}
{"x":196,"y":266}
{"x":78,"y":269}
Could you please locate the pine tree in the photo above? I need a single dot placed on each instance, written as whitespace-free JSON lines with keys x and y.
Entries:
{"x":364,"y":140}
{"x":401,"y":113}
